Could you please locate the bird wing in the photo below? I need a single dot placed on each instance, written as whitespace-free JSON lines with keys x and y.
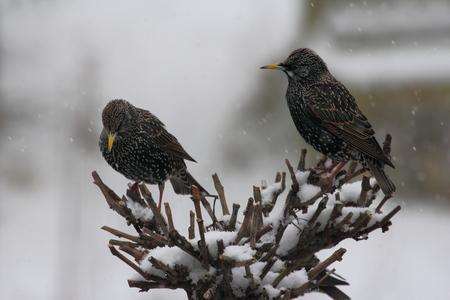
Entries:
{"x":336,"y":109}
{"x":161,"y":137}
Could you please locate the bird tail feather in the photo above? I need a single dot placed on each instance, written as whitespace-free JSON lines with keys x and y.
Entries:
{"x":386,"y":185}
{"x":182,"y":184}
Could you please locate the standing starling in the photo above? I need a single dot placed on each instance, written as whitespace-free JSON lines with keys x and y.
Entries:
{"x":327,"y":116}
{"x":136,"y":144}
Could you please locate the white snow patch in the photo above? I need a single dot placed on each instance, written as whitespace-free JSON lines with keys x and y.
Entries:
{"x":294,"y":280}
{"x":211,"y":238}
{"x":350,"y":192}
{"x":275,"y":216}
{"x":173,"y":256}
{"x":302,"y":176}
{"x":271,"y":291}
{"x":140,"y":212}
{"x":239,"y":253}
{"x":289,"y":240}
{"x":239,"y":282}
{"x":307,"y":191}
{"x":268,"y":193}
{"x":224,"y":218}
{"x":278,"y":266}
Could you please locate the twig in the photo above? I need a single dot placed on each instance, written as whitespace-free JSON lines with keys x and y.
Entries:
{"x":245,"y":227}
{"x":263,"y":231}
{"x":191,"y":228}
{"x":155,"y":237}
{"x":221,"y":192}
{"x":233,"y":219}
{"x":382,"y":202}
{"x":169,"y":216}
{"x":255,"y":223}
{"x":132,"y":251}
{"x":354,"y":175}
{"x":122,"y":243}
{"x":327,"y":274}
{"x":383,"y":222}
{"x":337,"y":210}
{"x":322,"y":205}
{"x":295,"y":187}
{"x":337,"y":255}
{"x":145,"y":286}
{"x":314,"y":272}
{"x":257,"y":194}
{"x":201,"y":227}
{"x":133,"y":194}
{"x":120,"y":234}
{"x":173,"y":275}
{"x":267,"y":268}
{"x":181,"y":242}
{"x":128,"y":262}
{"x":365,"y":188}
{"x":301,"y":162}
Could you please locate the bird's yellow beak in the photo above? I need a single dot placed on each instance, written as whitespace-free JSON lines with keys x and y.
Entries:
{"x":111,"y":138}
{"x":273,"y":67}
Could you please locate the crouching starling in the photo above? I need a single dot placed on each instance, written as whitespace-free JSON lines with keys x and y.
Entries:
{"x":327,"y":116}
{"x":136,"y":144}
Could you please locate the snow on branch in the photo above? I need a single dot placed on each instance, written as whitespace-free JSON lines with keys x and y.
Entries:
{"x":267,"y":253}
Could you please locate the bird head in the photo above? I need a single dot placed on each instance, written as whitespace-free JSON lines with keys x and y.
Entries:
{"x":116,"y":119}
{"x":301,"y":65}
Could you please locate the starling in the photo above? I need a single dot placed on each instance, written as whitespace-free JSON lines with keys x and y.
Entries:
{"x":136,"y":144}
{"x":327,"y":116}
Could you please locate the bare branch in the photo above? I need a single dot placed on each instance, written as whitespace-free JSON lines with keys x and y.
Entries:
{"x":191,"y":228}
{"x":221,"y":192}
{"x":263,"y":235}
{"x":169,"y":216}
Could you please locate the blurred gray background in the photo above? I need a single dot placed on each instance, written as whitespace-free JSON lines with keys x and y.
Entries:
{"x":195,"y":65}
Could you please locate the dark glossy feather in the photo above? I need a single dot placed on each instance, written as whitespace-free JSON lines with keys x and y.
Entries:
{"x":160,"y":136}
{"x":335,"y":109}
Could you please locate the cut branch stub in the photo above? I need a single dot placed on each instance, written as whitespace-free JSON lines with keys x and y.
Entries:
{"x":295,"y":186}
{"x":191,"y":228}
{"x":365,"y":188}
{"x":201,"y":227}
{"x":221,"y":192}
{"x":232,"y":224}
{"x":245,"y":227}
{"x":169,"y":216}
{"x":302,"y":161}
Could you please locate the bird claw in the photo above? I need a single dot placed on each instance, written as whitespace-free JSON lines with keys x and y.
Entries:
{"x":327,"y":181}
{"x":159,"y":206}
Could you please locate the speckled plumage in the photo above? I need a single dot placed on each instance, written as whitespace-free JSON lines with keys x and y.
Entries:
{"x":143,"y":150}
{"x":327,"y":116}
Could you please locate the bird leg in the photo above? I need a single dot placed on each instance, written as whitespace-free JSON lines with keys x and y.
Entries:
{"x":134,"y":188}
{"x":337,"y":168}
{"x":161,"y":191}
{"x":328,"y":179}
